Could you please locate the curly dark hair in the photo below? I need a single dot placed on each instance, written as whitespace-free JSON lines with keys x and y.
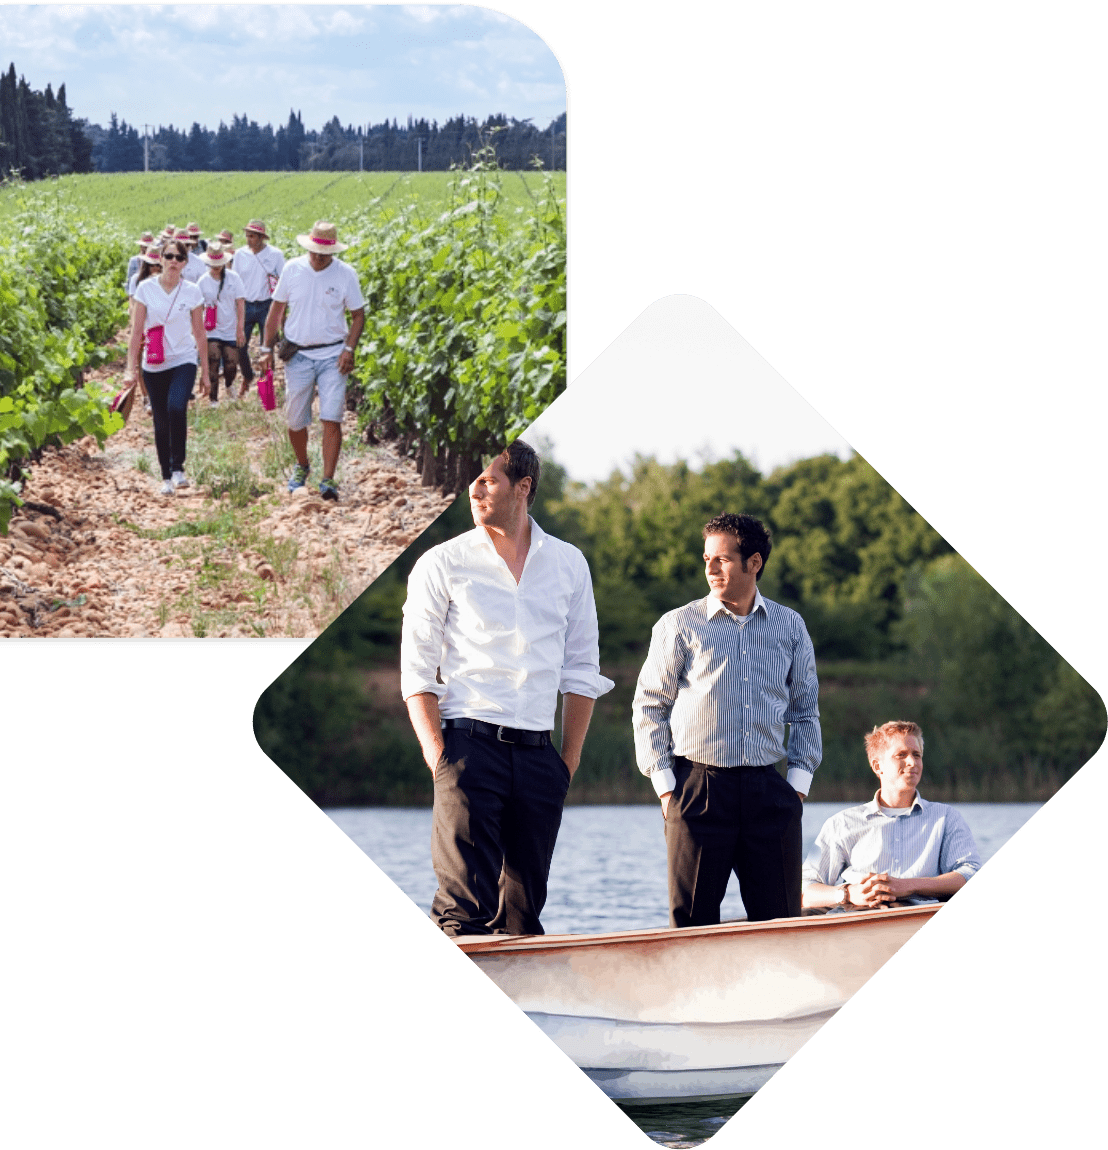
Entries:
{"x":751,"y":534}
{"x":522,"y":461}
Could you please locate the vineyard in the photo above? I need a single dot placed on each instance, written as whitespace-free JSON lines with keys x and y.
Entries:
{"x":463,"y":273}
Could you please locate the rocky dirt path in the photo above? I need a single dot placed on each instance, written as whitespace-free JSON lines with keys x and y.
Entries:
{"x":233,"y":555}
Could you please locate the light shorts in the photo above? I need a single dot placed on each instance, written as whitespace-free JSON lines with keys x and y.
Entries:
{"x":304,"y":376}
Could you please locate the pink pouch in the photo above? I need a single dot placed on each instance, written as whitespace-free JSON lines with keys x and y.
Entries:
{"x":209,"y":318}
{"x":155,"y":345}
{"x":265,"y":391}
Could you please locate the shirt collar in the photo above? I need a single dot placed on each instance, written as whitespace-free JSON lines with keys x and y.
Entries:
{"x":481,"y":538}
{"x":873,"y":807}
{"x":713,"y":606}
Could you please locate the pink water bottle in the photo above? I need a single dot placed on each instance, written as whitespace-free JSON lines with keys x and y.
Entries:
{"x":265,"y":391}
{"x":209,"y":318}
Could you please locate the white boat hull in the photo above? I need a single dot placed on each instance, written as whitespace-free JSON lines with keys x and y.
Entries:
{"x":702,"y":1012}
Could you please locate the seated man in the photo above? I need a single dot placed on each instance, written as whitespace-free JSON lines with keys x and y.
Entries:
{"x":898,"y":847}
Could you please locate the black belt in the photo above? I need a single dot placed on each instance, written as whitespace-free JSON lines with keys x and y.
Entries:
{"x":737,"y":767}
{"x":501,"y":734}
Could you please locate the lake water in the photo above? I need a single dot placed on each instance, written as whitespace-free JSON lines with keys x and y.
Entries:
{"x":609,"y":873}
{"x":609,"y":868}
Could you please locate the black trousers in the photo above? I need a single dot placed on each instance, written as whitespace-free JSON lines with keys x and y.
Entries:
{"x":169,"y":393}
{"x":498,"y":807}
{"x":724,"y":819}
{"x":255,"y":313}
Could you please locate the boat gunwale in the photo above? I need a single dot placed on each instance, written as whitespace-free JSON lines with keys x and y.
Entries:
{"x":521,"y":943}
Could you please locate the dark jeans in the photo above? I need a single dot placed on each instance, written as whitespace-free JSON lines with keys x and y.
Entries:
{"x":256,"y":312}
{"x":169,"y":393}
{"x":498,"y":807}
{"x":745,"y":819}
{"x":227,"y":353}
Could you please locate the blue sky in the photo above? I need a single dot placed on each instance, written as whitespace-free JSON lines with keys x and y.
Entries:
{"x":176,"y":64}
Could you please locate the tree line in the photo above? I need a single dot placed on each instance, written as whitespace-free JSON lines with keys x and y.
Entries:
{"x":244,"y":146}
{"x":38,"y":135}
{"x":903,"y":628}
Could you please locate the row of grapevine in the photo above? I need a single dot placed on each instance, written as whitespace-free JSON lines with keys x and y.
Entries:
{"x":60,"y":303}
{"x":465,"y":335}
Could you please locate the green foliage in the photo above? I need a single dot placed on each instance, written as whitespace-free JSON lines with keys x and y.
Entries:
{"x":842,"y":543}
{"x":59,"y":305}
{"x":464,"y":342}
{"x":1000,"y":697}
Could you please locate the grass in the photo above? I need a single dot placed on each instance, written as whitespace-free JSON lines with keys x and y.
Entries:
{"x":290,"y":202}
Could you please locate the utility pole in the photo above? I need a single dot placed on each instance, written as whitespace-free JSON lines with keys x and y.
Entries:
{"x":419,"y":142}
{"x":361,"y":150}
{"x":146,"y":147}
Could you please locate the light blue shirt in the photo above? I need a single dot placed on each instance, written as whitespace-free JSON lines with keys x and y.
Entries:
{"x":932,"y":839}
{"x":719,"y":690}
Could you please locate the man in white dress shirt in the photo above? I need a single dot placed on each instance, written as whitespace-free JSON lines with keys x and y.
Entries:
{"x":259,"y":266}
{"x":496,"y":623}
{"x":898,"y":847}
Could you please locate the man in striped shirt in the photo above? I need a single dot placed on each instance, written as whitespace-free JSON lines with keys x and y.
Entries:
{"x":723,"y":677}
{"x":896,"y":848}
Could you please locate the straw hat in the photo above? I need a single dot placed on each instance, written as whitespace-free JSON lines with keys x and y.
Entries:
{"x":146,"y":239}
{"x":152,"y":255}
{"x":193,"y":231}
{"x":225,"y":238}
{"x":169,"y":231}
{"x":322,"y":239}
{"x":257,"y":226}
{"x":215,"y":256}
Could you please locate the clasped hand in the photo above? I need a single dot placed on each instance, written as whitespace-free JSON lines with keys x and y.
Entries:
{"x":878,"y":889}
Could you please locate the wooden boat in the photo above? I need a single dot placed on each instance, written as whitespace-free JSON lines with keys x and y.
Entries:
{"x":666,"y":1015}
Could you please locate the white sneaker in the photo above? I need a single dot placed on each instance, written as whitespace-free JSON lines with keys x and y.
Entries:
{"x":167,"y":488}
{"x":180,"y":479}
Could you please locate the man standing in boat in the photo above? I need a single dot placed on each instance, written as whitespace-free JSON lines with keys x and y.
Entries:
{"x":896,"y":848}
{"x":723,"y":677}
{"x":496,"y":623}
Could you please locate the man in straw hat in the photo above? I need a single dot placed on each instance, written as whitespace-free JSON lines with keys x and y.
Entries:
{"x":321,"y":290}
{"x":260,"y":267}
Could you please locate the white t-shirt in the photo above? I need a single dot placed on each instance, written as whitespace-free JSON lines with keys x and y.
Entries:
{"x":174,"y":311}
{"x":132,"y":283}
{"x":195,"y":268}
{"x":260,"y":272}
{"x":318,"y":303}
{"x":226,"y":318}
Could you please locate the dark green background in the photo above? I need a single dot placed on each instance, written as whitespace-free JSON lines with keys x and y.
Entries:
{"x":902,"y":211}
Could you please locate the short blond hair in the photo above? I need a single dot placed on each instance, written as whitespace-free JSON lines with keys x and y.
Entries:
{"x":878,"y":738}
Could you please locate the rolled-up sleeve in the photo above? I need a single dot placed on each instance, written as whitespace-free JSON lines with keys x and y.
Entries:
{"x":581,"y":663}
{"x":958,"y":854}
{"x":424,"y":623}
{"x":805,"y":749}
{"x":827,"y":859}
{"x":655,"y":695}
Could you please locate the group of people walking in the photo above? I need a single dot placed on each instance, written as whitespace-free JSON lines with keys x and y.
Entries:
{"x":195,"y":304}
{"x":501,"y":619}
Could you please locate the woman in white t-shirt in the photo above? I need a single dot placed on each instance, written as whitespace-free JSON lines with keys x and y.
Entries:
{"x":224,"y":317}
{"x":168,"y":328}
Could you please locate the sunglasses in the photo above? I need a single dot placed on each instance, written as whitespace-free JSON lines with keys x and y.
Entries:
{"x":168,"y":256}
